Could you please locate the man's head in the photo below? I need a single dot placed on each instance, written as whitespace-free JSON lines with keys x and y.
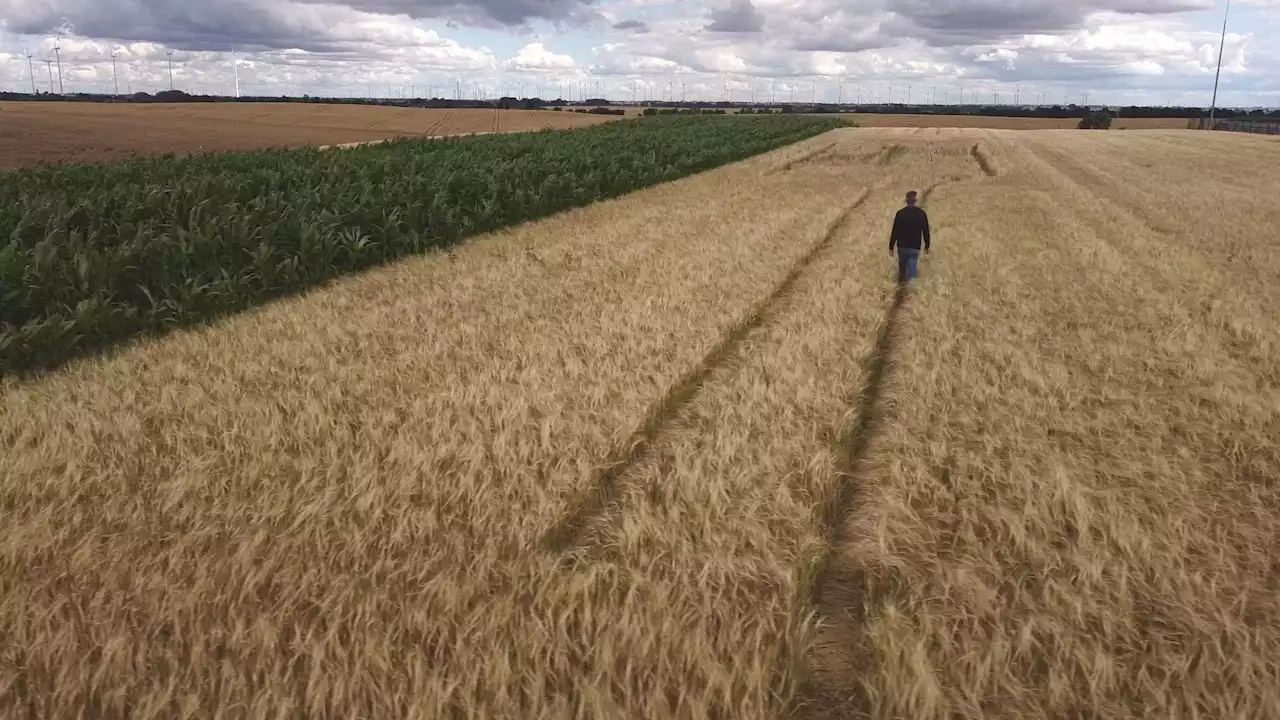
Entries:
{"x":912,"y":197}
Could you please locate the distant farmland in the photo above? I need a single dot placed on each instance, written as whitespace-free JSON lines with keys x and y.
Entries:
{"x":32,"y":133}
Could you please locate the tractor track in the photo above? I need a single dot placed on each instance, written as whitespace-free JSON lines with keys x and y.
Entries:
{"x":603,"y":491}
{"x":835,"y":591}
{"x":811,"y":156}
{"x":431,"y":129}
{"x":984,"y":162}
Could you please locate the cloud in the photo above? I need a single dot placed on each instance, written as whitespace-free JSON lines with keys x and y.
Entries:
{"x":741,"y":16}
{"x":189,"y":24}
{"x":535,"y":56}
{"x":1143,"y":47}
{"x":632,"y":25}
{"x":840,"y":33}
{"x":307,"y":24}
{"x":967,"y":22}
{"x":859,"y":25}
{"x":507,"y":13}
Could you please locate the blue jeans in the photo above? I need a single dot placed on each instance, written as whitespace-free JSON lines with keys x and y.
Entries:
{"x":907,"y":262}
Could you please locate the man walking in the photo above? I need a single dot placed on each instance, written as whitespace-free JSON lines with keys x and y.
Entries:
{"x":910,"y":233}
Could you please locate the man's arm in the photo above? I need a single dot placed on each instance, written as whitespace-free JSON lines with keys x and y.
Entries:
{"x":927,"y":239}
{"x":893,"y":233}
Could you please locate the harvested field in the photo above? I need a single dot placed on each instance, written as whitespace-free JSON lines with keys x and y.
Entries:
{"x":689,"y":453}
{"x":34,"y":133}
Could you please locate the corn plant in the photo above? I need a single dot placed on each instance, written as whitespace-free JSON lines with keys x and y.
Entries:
{"x":94,"y":254}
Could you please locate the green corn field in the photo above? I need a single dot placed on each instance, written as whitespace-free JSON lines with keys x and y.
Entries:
{"x":91,"y":255}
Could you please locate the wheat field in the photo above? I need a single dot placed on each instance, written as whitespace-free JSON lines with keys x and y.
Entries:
{"x":690,"y":453}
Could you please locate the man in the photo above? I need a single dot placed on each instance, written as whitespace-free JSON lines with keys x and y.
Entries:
{"x":910,"y":233}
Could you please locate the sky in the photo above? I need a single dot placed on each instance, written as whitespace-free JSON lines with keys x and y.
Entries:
{"x":1144,"y":52}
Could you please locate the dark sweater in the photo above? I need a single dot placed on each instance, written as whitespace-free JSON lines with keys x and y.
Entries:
{"x":910,"y":228}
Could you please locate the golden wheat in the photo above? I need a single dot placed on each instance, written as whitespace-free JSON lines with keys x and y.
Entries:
{"x":687,"y":454}
{"x":1073,"y":510}
{"x":334,"y":503}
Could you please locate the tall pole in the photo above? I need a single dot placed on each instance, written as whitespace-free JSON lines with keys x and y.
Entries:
{"x":58,"y":56}
{"x":114,"y":76}
{"x":1222,"y":45}
{"x":170,"y":54}
{"x":49,"y":66}
{"x":32,"y":69}
{"x":235,"y":65}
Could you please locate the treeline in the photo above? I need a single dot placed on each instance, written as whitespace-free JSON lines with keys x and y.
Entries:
{"x":1045,"y":111}
{"x":650,"y":111}
{"x":599,"y":105}
{"x":594,"y":111}
{"x":178,"y":96}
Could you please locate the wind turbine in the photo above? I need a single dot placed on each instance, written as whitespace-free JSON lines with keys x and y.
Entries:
{"x":31,"y":68}
{"x":114,"y":76}
{"x":1222,"y":45}
{"x":59,"y":60}
{"x":170,"y":54}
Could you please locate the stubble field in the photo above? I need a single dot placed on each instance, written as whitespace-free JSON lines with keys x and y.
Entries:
{"x":690,"y":453}
{"x":33,"y":133}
